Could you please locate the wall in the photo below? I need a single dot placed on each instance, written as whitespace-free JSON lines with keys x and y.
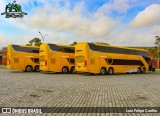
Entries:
{"x":4,"y":57}
{"x":156,"y":63}
{"x":0,"y":59}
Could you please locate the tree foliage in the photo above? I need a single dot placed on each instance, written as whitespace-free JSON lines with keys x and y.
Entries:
{"x":34,"y":42}
{"x":4,"y":48}
{"x":73,"y":44}
{"x":157,"y":41}
{"x":102,"y":43}
{"x":155,"y":51}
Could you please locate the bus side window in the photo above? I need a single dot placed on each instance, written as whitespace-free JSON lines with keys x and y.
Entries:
{"x":69,"y":50}
{"x":35,"y":51}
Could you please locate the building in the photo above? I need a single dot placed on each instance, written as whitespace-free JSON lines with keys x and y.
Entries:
{"x":4,"y":57}
{"x":155,"y":60}
{"x":0,"y":57}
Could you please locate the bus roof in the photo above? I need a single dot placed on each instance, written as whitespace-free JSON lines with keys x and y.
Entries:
{"x":115,"y":46}
{"x":61,"y":45}
{"x":24,"y":46}
{"x":27,"y":49}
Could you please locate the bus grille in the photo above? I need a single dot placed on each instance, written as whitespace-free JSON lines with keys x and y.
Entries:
{"x":53,"y":61}
{"x":42,"y":58}
{"x":16,"y":60}
{"x":92,"y":61}
{"x":79,"y":59}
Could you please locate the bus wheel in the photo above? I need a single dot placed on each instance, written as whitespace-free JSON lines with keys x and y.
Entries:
{"x":72,"y":70}
{"x":36,"y":68}
{"x":65,"y":70}
{"x":103,"y":71}
{"x":28,"y":68}
{"x":110,"y":71}
{"x":143,"y":70}
{"x":139,"y":70}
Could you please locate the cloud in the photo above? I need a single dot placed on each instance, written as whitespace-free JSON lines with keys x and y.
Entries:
{"x":150,"y":16}
{"x":2,"y":4}
{"x":65,"y":23}
{"x":63,"y":19}
{"x":21,"y":2}
{"x":120,"y":6}
{"x":4,"y":41}
{"x":126,"y":36}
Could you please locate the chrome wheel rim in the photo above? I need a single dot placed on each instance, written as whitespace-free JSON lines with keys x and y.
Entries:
{"x":102,"y":71}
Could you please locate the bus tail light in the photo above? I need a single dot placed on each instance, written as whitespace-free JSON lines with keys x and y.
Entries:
{"x":45,"y":62}
{"x":85,"y":63}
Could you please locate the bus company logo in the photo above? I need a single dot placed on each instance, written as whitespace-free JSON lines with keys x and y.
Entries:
{"x":6,"y":111}
{"x":13,"y":10}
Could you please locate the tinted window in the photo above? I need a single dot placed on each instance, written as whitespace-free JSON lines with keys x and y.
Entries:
{"x":69,"y":50}
{"x":117,"y":50}
{"x":35,"y":51}
{"x":35,"y":60}
{"x":25,"y":49}
{"x":72,"y":61}
{"x":65,"y":49}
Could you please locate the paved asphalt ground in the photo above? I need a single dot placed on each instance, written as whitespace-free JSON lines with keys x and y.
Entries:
{"x":20,"y":89}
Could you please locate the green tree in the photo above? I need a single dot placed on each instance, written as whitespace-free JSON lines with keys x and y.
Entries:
{"x":4,"y":48}
{"x":101,"y":43}
{"x":73,"y":44}
{"x":153,"y":52}
{"x":157,"y":43}
{"x":34,"y":42}
{"x":28,"y":44}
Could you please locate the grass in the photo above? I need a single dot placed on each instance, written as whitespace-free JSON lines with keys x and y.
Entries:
{"x":3,"y":67}
{"x":158,"y":70}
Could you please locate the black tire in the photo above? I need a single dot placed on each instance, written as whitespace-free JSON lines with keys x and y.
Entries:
{"x":103,"y":71}
{"x":139,"y":70}
{"x":36,"y":69}
{"x":91,"y":74}
{"x":110,"y":71}
{"x":72,"y":71}
{"x":143,"y":70}
{"x":65,"y":70}
{"x":28,"y":69}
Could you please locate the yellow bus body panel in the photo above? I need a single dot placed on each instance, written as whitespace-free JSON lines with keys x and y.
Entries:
{"x":19,"y":60}
{"x":96,"y":60}
{"x":54,"y":61}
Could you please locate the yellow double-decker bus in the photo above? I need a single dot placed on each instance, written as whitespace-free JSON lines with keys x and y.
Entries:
{"x":57,"y":58}
{"x":103,"y":59}
{"x":24,"y":58}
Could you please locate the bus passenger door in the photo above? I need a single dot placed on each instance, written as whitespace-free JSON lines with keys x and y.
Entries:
{"x":58,"y":63}
{"x":103,"y":61}
{"x":21,"y":63}
{"x":15,"y":61}
{"x":94,"y":65}
{"x":65,"y":59}
{"x":115,"y":63}
{"x":111,"y":63}
{"x":27,"y":60}
{"x":55,"y":62}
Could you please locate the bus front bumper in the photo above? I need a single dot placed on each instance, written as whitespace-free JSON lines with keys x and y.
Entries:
{"x":81,"y":69}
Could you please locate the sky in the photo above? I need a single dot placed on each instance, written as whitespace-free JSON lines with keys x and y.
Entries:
{"x":117,"y":22}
